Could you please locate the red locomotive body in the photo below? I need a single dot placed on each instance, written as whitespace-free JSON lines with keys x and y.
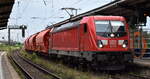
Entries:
{"x":67,"y":40}
{"x":85,"y":37}
{"x":94,"y":38}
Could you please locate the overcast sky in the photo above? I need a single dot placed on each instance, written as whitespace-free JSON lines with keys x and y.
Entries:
{"x":37,"y":14}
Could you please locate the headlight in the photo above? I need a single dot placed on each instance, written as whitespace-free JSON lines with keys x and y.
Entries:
{"x":100,"y":44}
{"x":124,"y":45}
{"x":112,"y":35}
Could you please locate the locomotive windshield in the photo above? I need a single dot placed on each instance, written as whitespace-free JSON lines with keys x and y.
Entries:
{"x":110,"y":26}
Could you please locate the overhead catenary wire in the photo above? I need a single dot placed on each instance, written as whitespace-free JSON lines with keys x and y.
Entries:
{"x":52,"y":9}
{"x":77,"y":2}
{"x":44,"y":2}
{"x":52,"y":4}
{"x":24,"y":9}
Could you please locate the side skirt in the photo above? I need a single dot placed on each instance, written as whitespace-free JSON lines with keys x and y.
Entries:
{"x":90,"y":56}
{"x":87,"y":55}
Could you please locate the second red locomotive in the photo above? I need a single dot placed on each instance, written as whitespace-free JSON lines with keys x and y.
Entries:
{"x":102,"y":40}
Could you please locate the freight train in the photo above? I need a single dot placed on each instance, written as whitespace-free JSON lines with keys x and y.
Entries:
{"x":101,"y":40}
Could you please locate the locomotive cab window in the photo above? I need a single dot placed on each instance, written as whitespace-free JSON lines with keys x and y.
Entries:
{"x":110,"y":26}
{"x":118,"y":26}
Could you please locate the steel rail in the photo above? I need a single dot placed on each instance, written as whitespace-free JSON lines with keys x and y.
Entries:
{"x":26,"y":74}
{"x":39,"y":67}
{"x":139,"y":76}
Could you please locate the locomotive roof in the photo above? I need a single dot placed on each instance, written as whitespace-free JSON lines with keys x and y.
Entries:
{"x":66,"y":26}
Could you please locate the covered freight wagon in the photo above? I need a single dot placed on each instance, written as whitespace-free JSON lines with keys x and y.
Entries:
{"x":42,"y":41}
{"x":32,"y":42}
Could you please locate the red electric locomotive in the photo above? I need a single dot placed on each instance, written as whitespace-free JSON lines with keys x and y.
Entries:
{"x":94,"y":38}
{"x":102,"y":40}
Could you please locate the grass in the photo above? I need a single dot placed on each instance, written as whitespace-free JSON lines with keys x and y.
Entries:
{"x":63,"y":71}
{"x":9,"y":48}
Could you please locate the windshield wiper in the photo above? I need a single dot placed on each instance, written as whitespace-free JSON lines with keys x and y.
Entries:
{"x":111,"y":28}
{"x":108,"y":29}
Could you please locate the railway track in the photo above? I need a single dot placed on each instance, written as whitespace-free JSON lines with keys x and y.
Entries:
{"x":30,"y":69}
{"x":129,"y":76}
{"x":139,"y":76}
{"x":18,"y":60}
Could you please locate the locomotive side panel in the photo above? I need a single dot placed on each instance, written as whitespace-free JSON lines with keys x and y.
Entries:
{"x":88,"y":35}
{"x":66,"y":40}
